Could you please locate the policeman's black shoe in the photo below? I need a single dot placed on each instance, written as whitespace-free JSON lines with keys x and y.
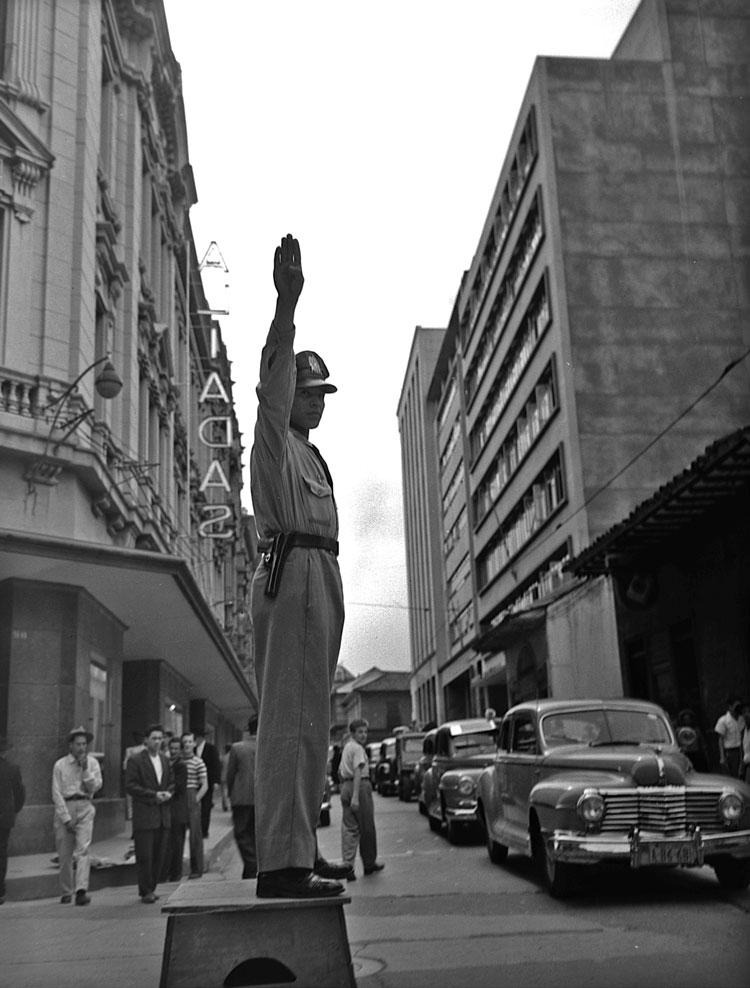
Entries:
{"x":65,"y":899}
{"x":327,"y":869}
{"x":82,"y":897}
{"x":373,"y":868}
{"x":295,"y":883}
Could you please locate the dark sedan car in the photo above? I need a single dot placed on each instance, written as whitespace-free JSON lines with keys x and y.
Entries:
{"x":581,"y":782}
{"x":449,"y":786}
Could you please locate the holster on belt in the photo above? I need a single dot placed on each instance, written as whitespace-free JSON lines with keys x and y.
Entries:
{"x":277,"y":548}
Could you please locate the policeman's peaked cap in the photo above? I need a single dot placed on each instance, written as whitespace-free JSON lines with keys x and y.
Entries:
{"x":312,"y":372}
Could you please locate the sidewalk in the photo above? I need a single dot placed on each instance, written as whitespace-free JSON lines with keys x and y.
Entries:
{"x":35,"y":876}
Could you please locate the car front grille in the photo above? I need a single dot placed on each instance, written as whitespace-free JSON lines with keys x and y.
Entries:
{"x":661,"y":809}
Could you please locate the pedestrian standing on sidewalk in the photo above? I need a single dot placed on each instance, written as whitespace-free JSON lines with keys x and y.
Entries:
{"x":12,"y":798}
{"x":728,"y":733}
{"x":296,"y":599}
{"x":208,"y":753}
{"x":148,"y":779}
{"x":358,"y":819}
{"x":75,"y":778}
{"x":197,"y":787}
{"x":178,"y":809}
{"x":241,"y":788}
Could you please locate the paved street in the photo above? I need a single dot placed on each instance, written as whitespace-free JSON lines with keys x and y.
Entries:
{"x":439,"y":915}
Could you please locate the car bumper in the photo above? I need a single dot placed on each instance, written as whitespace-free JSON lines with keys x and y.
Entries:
{"x":465,"y":812}
{"x":647,"y":849}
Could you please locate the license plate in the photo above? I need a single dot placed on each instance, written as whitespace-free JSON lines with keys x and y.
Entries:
{"x":668,"y":854}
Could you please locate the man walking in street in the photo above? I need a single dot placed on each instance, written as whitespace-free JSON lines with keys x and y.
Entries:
{"x":358,"y":816}
{"x":296,"y":599}
{"x":75,"y":778}
{"x":729,"y":736}
{"x":12,"y":798}
{"x":179,"y":815}
{"x":148,"y":779}
{"x":241,"y":789}
{"x":196,"y":788}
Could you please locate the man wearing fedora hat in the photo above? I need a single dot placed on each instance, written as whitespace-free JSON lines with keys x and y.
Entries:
{"x":12,"y":797}
{"x":75,"y":778}
{"x":297,"y":602}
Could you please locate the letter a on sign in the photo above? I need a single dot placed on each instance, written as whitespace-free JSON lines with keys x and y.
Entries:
{"x":221,"y":479}
{"x":213,"y":388}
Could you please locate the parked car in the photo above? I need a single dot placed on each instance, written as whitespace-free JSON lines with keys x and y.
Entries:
{"x":424,"y":762}
{"x":324,"y":819}
{"x":580,"y":782}
{"x":373,"y":756}
{"x":463,"y":748}
{"x":386,"y":776}
{"x":408,"y":753}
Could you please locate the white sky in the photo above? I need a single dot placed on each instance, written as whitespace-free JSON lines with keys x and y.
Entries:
{"x":375,"y":134}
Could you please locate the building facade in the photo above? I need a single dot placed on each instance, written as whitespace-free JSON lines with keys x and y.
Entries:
{"x":124,"y":552}
{"x":596,"y":347}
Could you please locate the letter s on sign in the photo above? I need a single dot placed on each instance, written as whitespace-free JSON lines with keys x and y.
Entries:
{"x":220,"y":513}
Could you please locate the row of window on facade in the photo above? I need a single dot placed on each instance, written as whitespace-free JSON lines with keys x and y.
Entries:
{"x":510,"y":197}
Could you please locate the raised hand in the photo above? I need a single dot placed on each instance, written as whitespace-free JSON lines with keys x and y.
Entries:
{"x":287,"y":273}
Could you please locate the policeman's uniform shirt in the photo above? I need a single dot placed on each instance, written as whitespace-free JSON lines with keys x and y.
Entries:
{"x":71,"y":781}
{"x":288,"y":482}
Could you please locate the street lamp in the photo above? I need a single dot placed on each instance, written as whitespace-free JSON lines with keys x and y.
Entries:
{"x":107,"y":384}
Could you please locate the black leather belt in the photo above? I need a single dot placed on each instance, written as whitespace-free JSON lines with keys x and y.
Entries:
{"x":78,"y":795}
{"x":276,"y":549}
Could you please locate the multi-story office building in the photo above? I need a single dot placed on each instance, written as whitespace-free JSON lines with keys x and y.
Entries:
{"x":124,"y":552}
{"x":583,"y":364}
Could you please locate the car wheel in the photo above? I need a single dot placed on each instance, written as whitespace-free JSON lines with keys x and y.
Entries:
{"x":456,"y":832}
{"x":435,"y":825}
{"x":731,"y":873}
{"x":556,"y":876}
{"x":325,"y":818}
{"x":422,"y":808}
{"x":497,"y":852}
{"x":404,"y":791}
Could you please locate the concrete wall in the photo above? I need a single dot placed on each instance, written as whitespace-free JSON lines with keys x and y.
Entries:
{"x":584,"y":658}
{"x":51,"y":633}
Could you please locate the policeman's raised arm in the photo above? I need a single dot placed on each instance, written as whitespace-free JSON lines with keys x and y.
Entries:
{"x":288,"y":279}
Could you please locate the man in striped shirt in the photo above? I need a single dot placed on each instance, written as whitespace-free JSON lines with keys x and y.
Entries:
{"x":197,"y":787}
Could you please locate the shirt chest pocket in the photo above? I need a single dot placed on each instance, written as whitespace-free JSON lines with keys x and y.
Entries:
{"x":319,"y":500}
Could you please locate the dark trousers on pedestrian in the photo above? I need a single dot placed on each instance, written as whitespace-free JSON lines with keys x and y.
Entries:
{"x":243,"y":818}
{"x":172,"y":870}
{"x":4,"y":835}
{"x":150,"y":848}
{"x":206,"y":803}
{"x":358,"y":826}
{"x":196,"y":834}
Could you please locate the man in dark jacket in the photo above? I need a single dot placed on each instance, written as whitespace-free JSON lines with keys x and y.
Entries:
{"x":150,"y":783}
{"x":12,"y":798}
{"x":178,"y":809}
{"x":210,"y":755}
{"x":241,"y":789}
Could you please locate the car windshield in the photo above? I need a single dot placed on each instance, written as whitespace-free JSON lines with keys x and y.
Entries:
{"x":601,"y":727}
{"x":412,"y":746}
{"x":473,"y":744}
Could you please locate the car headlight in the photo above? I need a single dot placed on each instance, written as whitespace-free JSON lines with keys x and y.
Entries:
{"x":591,"y":806}
{"x":730,"y":805}
{"x":466,"y":785}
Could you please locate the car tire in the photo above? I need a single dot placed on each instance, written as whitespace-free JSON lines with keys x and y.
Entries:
{"x":421,"y":807}
{"x":404,"y":790}
{"x":325,"y":818}
{"x":456,"y":832}
{"x":435,"y":825}
{"x":731,"y":873}
{"x":497,"y":852}
{"x":556,"y":876}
